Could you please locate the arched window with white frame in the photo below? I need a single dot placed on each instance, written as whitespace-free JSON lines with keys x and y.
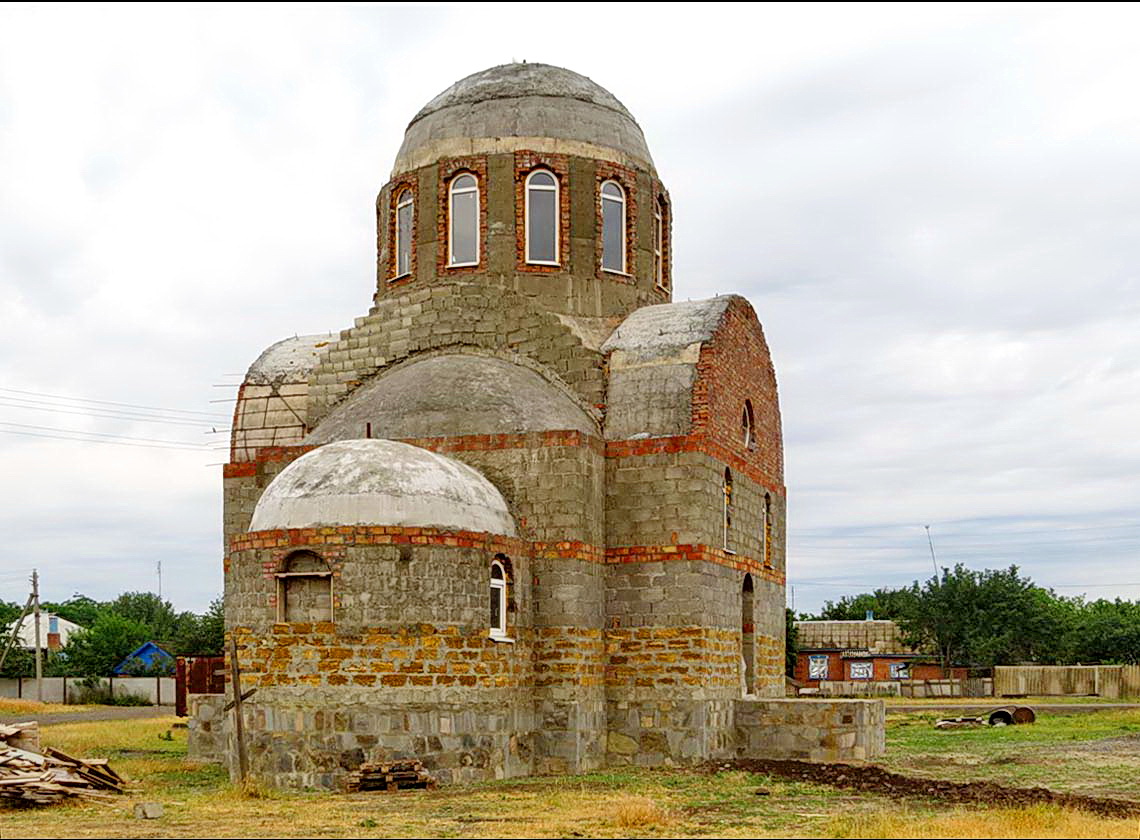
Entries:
{"x":498,"y":623}
{"x":405,"y":217}
{"x":748,"y":426}
{"x":613,"y":227}
{"x":542,"y":217}
{"x":463,"y":221}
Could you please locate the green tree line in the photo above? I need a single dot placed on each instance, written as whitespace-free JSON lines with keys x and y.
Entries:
{"x":998,"y":617}
{"x":111,"y":631}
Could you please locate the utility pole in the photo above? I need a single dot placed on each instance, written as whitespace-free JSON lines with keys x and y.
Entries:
{"x":932,"y":559}
{"x":160,"y":581}
{"x":36,"y":613}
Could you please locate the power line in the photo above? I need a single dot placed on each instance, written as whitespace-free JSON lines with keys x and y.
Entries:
{"x":123,"y":442}
{"x":110,"y":402}
{"x":109,"y":414}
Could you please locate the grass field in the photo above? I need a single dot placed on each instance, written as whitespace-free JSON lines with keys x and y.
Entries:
{"x":1075,"y":753}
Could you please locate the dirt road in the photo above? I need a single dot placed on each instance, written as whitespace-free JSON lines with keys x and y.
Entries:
{"x":101,"y":713}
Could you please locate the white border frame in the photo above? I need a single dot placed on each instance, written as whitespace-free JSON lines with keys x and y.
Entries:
{"x":451,"y":193}
{"x":400,"y":204}
{"x":557,"y":190}
{"x":621,"y":200}
{"x":500,"y":584}
{"x":659,"y":245}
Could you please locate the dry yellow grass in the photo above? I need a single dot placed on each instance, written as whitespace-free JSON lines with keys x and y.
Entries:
{"x":10,"y":706}
{"x":1036,"y":821}
{"x":633,"y":811}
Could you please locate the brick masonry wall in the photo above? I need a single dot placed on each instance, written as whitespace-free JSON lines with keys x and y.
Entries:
{"x":574,"y":287}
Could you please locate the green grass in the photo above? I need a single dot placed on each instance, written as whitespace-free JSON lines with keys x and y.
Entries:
{"x":1058,"y":751}
{"x":619,"y":802}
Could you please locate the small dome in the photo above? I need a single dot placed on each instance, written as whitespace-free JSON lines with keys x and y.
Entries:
{"x":520,"y":101}
{"x":381,"y":482}
{"x":454,"y":395}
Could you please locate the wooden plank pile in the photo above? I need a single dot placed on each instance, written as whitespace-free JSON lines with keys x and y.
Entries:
{"x":33,"y":777}
{"x":398,"y":775}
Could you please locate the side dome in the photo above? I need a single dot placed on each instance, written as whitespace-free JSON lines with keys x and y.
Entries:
{"x":381,"y":482}
{"x":528,"y":101}
{"x":452,"y":395}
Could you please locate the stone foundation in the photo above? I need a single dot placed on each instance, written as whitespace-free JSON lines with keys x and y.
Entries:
{"x":811,"y":730}
{"x":208,"y":727}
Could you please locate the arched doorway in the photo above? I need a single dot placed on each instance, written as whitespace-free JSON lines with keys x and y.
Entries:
{"x":748,"y":634}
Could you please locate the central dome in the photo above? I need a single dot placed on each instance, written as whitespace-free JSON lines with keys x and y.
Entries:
{"x":527,"y":102}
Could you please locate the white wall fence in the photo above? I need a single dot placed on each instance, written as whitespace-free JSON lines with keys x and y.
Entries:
{"x":158,"y":690}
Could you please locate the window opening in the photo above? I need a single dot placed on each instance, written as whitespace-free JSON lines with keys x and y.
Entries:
{"x":748,"y":634}
{"x":659,"y":244}
{"x":304,"y":589}
{"x":766,"y":531}
{"x":463,"y":221}
{"x":748,"y":426}
{"x":498,"y":599}
{"x":542,"y":218}
{"x":727,"y":507}
{"x":613,"y":227}
{"x":405,"y":212}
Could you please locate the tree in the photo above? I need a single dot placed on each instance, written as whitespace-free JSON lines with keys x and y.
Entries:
{"x":205,"y":634}
{"x":150,"y":611}
{"x":1104,"y":631}
{"x":93,"y":652}
{"x":993,"y":617}
{"x":791,"y":642}
{"x":893,"y":604}
{"x":78,"y":609}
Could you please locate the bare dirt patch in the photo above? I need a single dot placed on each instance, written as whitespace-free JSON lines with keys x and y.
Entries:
{"x":871,"y":779}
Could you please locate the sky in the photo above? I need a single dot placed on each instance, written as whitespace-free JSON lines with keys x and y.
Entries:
{"x":935,"y":211}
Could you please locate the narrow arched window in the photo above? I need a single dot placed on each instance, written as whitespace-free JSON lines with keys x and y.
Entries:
{"x":463,"y":221}
{"x":613,"y":227}
{"x":542,"y":218}
{"x":727,"y":508}
{"x":405,"y":211}
{"x":748,"y":426}
{"x":766,"y":531}
{"x":498,"y":599}
{"x":659,"y":275}
{"x":304,"y":589}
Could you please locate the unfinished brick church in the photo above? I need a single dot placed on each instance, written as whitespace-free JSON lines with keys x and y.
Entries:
{"x":526,"y":514}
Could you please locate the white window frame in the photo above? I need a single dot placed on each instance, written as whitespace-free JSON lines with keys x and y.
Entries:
{"x":556,"y":189}
{"x":500,"y":584}
{"x":620,"y":200}
{"x":405,"y":198}
{"x":452,"y":191}
{"x":659,"y":244}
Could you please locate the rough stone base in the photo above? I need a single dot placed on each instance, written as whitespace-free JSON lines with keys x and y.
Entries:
{"x":207,"y":727}
{"x":811,"y":730}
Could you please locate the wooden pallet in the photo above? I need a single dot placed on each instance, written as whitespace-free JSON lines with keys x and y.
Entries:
{"x":392,"y":777}
{"x":51,"y":776}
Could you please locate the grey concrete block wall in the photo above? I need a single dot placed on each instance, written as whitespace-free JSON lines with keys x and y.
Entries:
{"x":811,"y":730}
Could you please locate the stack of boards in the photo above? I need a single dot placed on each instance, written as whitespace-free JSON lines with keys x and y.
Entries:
{"x":29,"y":775}
{"x":399,"y":775}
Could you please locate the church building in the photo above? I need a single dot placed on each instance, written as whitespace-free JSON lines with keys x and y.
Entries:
{"x":526,"y":514}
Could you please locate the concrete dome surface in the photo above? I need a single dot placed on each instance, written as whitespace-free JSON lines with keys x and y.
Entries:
{"x":532,"y":101}
{"x":381,"y":482}
{"x":450,"y":395}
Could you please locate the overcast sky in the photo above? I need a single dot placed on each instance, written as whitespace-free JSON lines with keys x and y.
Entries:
{"x":934,"y":210}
